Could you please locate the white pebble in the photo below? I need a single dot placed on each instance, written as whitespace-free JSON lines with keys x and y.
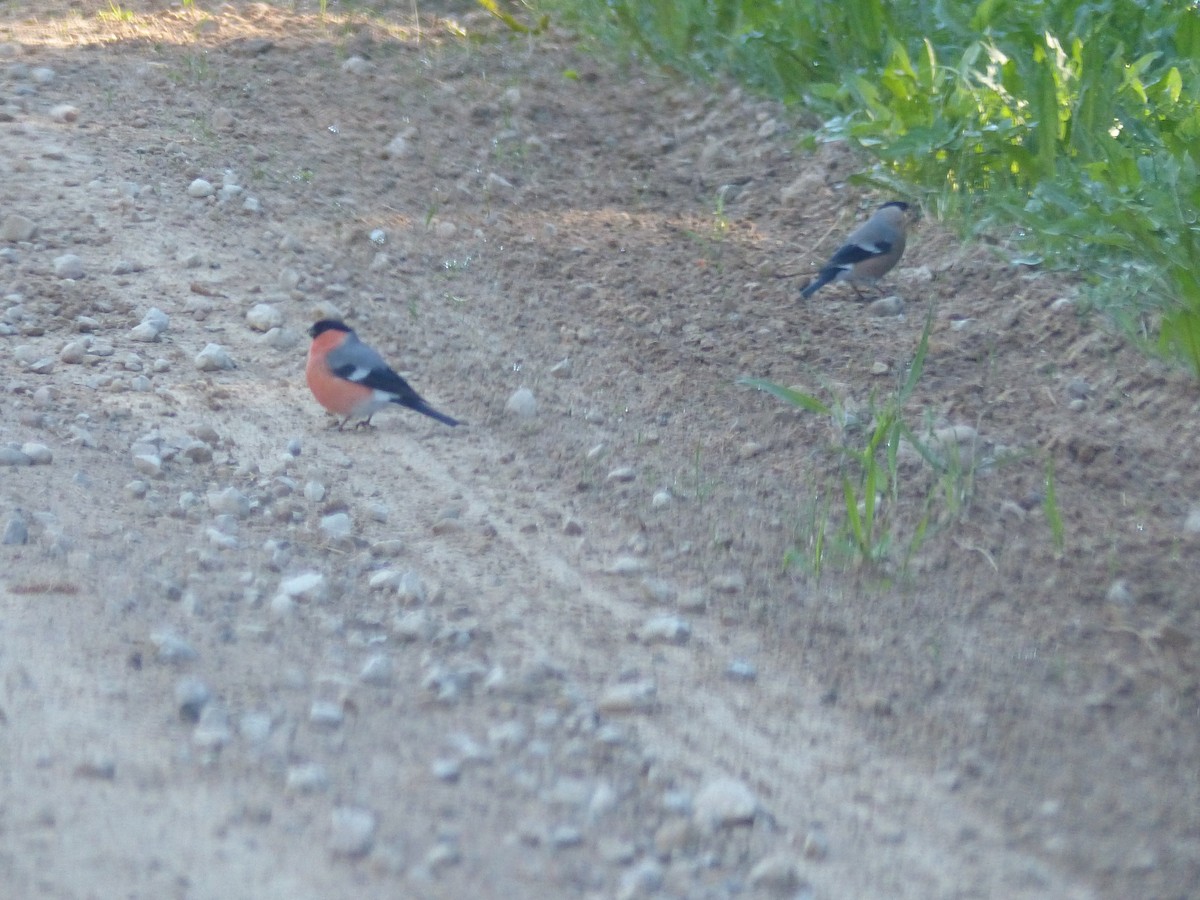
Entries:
{"x":307,"y":778}
{"x":255,"y":727}
{"x":213,"y":358}
{"x":398,"y":148}
{"x":212,"y":731}
{"x":326,"y":714}
{"x":172,"y":648}
{"x":64,"y":112}
{"x":377,"y":670}
{"x":145,"y":333}
{"x":351,"y":831}
{"x":661,"y":499}
{"x":337,"y":526}
{"x":17,"y":227}
{"x":623,"y":474}
{"x":230,"y":502}
{"x":665,"y":630}
{"x":73,"y":353}
{"x":723,"y":803}
{"x":627,"y":697}
{"x":308,"y":586}
{"x":200,"y":188}
{"x":39,"y":453}
{"x":1192,"y":523}
{"x":356,"y":65}
{"x":522,"y":403}
{"x":68,"y":266}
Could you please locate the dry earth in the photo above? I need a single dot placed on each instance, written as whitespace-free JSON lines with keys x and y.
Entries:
{"x":556,"y":655}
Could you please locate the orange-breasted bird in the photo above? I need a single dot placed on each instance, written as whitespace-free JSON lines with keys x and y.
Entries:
{"x":350,"y":379}
{"x":870,"y":252}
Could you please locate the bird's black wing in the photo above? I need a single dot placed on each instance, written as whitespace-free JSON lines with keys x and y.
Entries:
{"x":851,"y":254}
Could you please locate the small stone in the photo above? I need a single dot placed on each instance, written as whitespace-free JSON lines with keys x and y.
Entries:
{"x":674,"y":836}
{"x":306,"y":778}
{"x":145,"y":333}
{"x":724,"y":803}
{"x":565,"y":836}
{"x":326,"y":714}
{"x":191,"y":694}
{"x":16,"y":227}
{"x":64,"y":112}
{"x":750,"y":449}
{"x":778,"y":874}
{"x":1191,"y":525}
{"x":229,"y":501}
{"x":522,"y":403}
{"x":73,"y":353}
{"x":310,"y":586}
{"x":886,"y":307}
{"x":1119,"y":594}
{"x":661,"y":499}
{"x":665,"y":630}
{"x":39,"y":454}
{"x":388,"y":549}
{"x":337,"y":526}
{"x":729,"y":583}
{"x":633,"y":696}
{"x":448,"y":770}
{"x":622,"y":475}
{"x":626,"y":566}
{"x":398,"y":148}
{"x":213,"y":358}
{"x":445,"y":229}
{"x":213,"y":731}
{"x":222,"y":119}
{"x":356,"y":65}
{"x":642,"y":881}
{"x":198,"y":452}
{"x":201,"y":188}
{"x":351,"y":831}
{"x":561,"y":369}
{"x":816,"y":844}
{"x":255,"y":727}
{"x":97,"y":765}
{"x":263,"y":317}
{"x":148,"y":464}
{"x":16,"y":532}
{"x":171,"y":648}
{"x":1078,"y":389}
{"x":68,"y":266}
{"x":377,"y":670}
{"x":741,"y":670}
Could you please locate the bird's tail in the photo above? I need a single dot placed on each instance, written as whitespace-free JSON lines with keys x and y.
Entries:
{"x":823,"y":278}
{"x":428,"y":410}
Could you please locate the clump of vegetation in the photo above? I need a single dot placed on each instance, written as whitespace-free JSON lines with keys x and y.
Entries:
{"x":1072,"y":123}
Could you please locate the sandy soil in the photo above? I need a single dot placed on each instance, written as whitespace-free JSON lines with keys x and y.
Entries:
{"x":558,"y":655}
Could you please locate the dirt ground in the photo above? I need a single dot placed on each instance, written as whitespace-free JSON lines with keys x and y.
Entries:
{"x":558,"y":654}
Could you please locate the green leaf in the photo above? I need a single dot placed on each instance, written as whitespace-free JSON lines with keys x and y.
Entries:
{"x":788,"y":395}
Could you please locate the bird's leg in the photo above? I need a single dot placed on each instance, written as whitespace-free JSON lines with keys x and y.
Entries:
{"x":365,"y":423}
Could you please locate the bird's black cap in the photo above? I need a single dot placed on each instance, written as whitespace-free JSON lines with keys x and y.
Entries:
{"x":325,"y":325}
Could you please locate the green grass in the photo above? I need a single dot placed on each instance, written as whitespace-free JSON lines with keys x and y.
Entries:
{"x":868,"y":511}
{"x":1069,"y":127}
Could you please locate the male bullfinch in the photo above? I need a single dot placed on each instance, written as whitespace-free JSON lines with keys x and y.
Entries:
{"x":350,"y":379}
{"x":869,"y":253}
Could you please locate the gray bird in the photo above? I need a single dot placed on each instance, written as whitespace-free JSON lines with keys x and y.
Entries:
{"x":870,"y":252}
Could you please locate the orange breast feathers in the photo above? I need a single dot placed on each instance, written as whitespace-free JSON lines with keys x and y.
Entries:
{"x":338,"y":395}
